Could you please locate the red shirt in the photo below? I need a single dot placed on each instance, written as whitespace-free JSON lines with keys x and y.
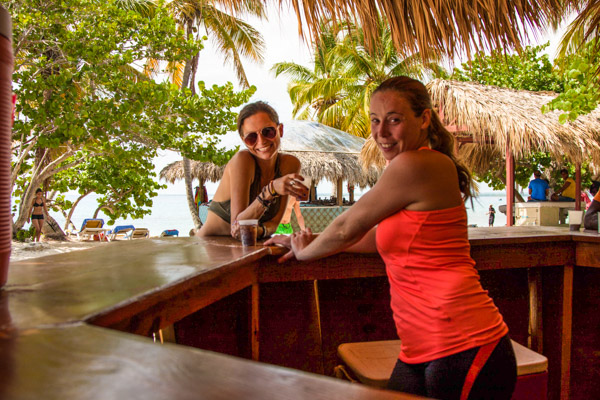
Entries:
{"x":438,"y":303}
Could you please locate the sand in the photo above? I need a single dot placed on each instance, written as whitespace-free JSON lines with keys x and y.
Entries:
{"x":23,"y":251}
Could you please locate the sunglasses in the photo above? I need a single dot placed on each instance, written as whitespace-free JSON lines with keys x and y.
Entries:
{"x":268,"y":133}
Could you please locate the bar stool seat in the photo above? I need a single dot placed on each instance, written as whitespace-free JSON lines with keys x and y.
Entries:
{"x":371,"y":363}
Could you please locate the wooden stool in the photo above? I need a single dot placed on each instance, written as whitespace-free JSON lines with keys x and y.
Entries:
{"x":372,"y":363}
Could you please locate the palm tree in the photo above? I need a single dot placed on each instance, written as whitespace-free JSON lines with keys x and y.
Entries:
{"x":234,"y":39}
{"x":346,"y":71}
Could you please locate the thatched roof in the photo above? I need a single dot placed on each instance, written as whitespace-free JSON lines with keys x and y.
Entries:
{"x":438,"y":28}
{"x":324,"y":153}
{"x":493,"y":115}
{"x":496,"y":114}
{"x":205,"y":171}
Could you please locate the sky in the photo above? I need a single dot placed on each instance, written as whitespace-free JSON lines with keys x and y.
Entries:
{"x":283,"y":43}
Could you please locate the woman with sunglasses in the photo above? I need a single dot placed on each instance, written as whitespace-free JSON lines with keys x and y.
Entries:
{"x":257,"y":180}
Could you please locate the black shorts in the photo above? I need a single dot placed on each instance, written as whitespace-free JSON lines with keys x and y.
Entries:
{"x":37,"y":216}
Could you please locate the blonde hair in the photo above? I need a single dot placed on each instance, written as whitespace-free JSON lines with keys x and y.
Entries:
{"x":440,"y":139}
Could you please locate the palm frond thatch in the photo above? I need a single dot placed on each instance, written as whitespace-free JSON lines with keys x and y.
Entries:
{"x":203,"y":171}
{"x":435,"y":28}
{"x":502,"y":116}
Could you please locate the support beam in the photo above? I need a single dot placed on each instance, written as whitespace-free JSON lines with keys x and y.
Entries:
{"x":510,"y":185}
{"x":578,"y":186}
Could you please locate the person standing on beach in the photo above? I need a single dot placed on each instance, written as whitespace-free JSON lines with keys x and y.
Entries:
{"x":37,"y":210}
{"x":285,"y":227}
{"x":492,"y":215}
{"x":455,"y":343}
{"x":538,"y":188}
{"x":257,"y":180}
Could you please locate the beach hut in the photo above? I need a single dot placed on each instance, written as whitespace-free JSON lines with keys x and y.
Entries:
{"x":492,"y":123}
{"x":325,"y":153}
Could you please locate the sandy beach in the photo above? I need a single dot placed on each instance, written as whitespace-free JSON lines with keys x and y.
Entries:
{"x":23,"y":251}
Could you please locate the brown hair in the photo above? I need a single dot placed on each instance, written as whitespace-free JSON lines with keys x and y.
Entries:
{"x":255,"y":108}
{"x":439,"y":138}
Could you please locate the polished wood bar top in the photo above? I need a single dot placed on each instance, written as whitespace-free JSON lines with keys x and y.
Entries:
{"x":74,"y":286}
{"x":86,"y":362}
{"x":80,"y":285}
{"x":49,"y":350}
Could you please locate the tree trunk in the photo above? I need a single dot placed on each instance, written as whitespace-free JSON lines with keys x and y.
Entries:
{"x":189,"y":74}
{"x":26,"y":201}
{"x":72,"y":210}
{"x":187,"y":176}
{"x":51,"y":229}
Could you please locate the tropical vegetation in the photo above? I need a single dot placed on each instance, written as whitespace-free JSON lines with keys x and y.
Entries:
{"x":346,"y":70}
{"x":88,"y":119}
{"x":234,"y":39}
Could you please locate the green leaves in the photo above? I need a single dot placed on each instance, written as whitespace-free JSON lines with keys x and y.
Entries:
{"x":85,"y":105}
{"x":581,"y":95}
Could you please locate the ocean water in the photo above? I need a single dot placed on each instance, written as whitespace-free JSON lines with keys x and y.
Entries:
{"x":170,"y":211}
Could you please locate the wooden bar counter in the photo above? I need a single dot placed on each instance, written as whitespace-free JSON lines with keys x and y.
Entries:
{"x":216,"y":295}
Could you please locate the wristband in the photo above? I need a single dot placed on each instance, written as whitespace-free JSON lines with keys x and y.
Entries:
{"x":265,"y":203}
{"x":272,"y":190}
{"x":264,"y":233}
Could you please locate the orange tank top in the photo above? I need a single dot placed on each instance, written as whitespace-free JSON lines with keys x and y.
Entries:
{"x":438,"y":303}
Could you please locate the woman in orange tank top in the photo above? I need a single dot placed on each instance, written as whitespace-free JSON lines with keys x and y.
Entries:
{"x":455,"y":344}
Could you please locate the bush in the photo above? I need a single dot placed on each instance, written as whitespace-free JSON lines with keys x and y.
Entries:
{"x":23,"y":234}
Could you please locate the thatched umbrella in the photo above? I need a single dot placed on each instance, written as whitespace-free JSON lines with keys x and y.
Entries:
{"x":324,"y":153}
{"x":203,"y":171}
{"x":438,"y":28}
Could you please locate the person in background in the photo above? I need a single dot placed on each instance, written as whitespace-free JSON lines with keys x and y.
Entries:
{"x":454,"y":340}
{"x":567,"y":190}
{"x":257,"y":180}
{"x":492,"y":215}
{"x":38,"y":208}
{"x":285,"y":227}
{"x":200,"y":195}
{"x":538,"y":188}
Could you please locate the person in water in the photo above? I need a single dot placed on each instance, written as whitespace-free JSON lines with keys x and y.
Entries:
{"x":455,"y":343}
{"x":36,"y":212}
{"x":257,"y":180}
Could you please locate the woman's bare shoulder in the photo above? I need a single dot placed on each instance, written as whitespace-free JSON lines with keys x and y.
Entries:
{"x":416,"y":164}
{"x":241,"y":163}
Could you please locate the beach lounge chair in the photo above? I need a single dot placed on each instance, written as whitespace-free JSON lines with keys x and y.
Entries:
{"x":170,"y":232}
{"x":92,"y":227}
{"x":121,"y":231}
{"x":139,"y":233}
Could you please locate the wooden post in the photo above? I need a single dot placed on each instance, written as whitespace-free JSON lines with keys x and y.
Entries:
{"x":254,"y":322}
{"x":510,"y":185}
{"x":578,"y":186}
{"x":340,"y":192}
{"x":566,"y":332}
{"x":313,"y":192}
{"x":536,"y":336}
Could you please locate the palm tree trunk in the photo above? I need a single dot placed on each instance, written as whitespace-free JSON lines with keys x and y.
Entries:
{"x":187,"y":176}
